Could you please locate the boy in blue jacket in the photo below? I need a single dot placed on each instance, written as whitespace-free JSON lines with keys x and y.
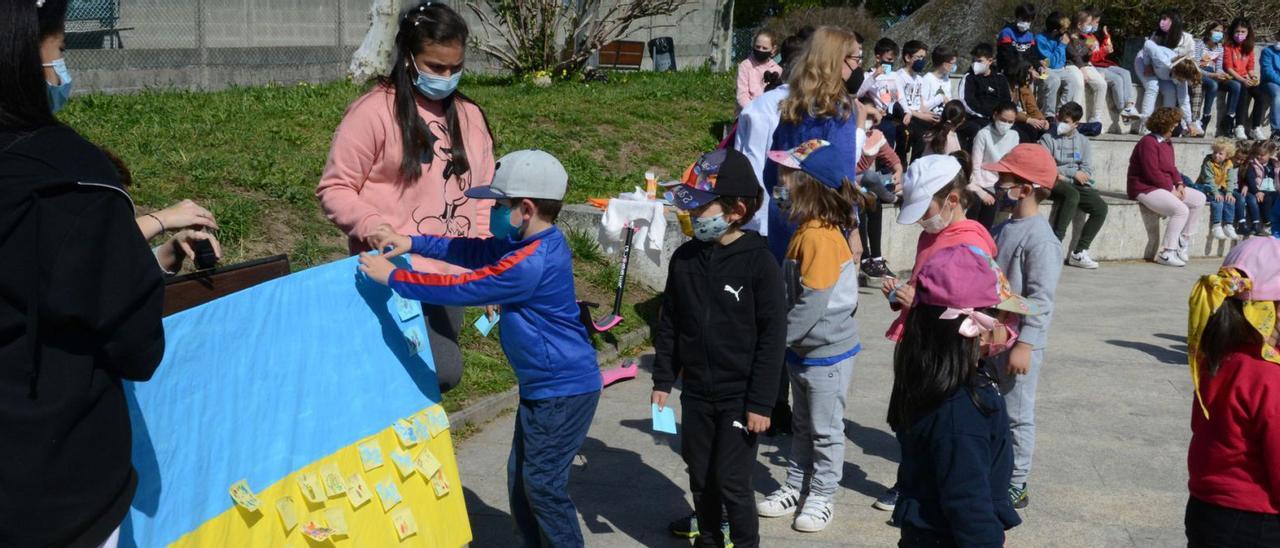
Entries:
{"x":527,"y":268}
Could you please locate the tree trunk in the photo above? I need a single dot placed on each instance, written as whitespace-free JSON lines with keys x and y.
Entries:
{"x":375,"y":53}
{"x":722,"y":36}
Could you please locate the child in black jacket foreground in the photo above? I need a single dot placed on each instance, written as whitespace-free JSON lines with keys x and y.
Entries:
{"x":723,"y":325}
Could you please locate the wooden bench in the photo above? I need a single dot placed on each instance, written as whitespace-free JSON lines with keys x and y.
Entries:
{"x":194,"y":289}
{"x":621,"y":55}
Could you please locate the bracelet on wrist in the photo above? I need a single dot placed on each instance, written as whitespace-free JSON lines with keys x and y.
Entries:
{"x":159,"y":222}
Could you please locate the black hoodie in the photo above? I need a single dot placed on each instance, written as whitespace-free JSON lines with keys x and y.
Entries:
{"x":80,"y":304}
{"x":984,"y":92}
{"x":723,"y":323}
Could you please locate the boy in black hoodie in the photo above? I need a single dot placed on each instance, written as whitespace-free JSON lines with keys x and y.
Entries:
{"x":723,"y":325}
{"x":981,"y":89}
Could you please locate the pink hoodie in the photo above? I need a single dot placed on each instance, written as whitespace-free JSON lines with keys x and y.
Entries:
{"x":358,"y":190}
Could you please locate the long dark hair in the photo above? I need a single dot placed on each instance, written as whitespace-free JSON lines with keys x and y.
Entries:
{"x":24,"y":97}
{"x":1246,"y":47}
{"x":1226,"y":330}
{"x":1171,"y":38}
{"x":428,"y":23}
{"x":953,"y":116}
{"x":932,"y":361}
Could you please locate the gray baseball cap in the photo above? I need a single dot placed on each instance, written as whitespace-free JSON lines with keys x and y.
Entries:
{"x":525,"y":174}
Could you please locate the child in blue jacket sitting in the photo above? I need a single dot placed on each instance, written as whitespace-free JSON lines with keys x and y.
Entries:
{"x":527,"y":268}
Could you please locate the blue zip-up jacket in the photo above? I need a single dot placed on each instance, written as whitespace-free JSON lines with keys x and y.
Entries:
{"x":532,"y":279}
{"x":1270,"y":65}
{"x":1053,"y":50}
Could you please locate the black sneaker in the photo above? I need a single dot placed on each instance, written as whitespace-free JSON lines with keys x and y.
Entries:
{"x":1090,"y":129}
{"x":882,"y":266}
{"x":868,"y":267}
{"x":685,"y":527}
{"x":1018,"y":495}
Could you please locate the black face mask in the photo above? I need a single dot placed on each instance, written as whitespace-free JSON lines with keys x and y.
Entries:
{"x":854,"y":82}
{"x":761,"y":56}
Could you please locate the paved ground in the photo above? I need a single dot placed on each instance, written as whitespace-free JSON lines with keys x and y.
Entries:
{"x":1110,"y":469}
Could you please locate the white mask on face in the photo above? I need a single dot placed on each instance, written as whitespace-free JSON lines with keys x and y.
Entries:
{"x":1024,"y":26}
{"x":936,"y":223}
{"x":1065,"y":129}
{"x":1001,"y":128}
{"x":980,"y":68}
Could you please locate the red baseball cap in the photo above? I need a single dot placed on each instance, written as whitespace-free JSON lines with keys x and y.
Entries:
{"x":1030,"y":162}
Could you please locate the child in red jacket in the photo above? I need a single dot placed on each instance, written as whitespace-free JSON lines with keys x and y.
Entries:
{"x":1234,"y":457}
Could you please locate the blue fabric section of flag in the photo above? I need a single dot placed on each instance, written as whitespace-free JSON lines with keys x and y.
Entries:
{"x":260,"y":383}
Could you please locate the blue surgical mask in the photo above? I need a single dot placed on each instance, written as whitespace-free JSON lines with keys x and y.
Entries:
{"x":888,"y":67}
{"x":708,"y":229}
{"x":500,"y":223}
{"x":953,"y":69}
{"x":60,"y":93}
{"x":437,"y":87}
{"x":1216,"y":36}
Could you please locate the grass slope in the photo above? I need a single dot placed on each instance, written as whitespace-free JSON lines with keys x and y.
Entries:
{"x":254,"y":155}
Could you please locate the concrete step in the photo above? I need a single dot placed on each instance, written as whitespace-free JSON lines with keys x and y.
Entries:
{"x":1111,"y":159}
{"x":1131,"y":232}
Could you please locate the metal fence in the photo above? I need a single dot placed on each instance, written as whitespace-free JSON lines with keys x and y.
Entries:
{"x":122,"y":45}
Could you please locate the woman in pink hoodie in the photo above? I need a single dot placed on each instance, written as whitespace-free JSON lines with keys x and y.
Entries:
{"x":406,"y":152}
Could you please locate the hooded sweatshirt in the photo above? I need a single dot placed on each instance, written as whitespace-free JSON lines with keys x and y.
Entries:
{"x":822,"y":292}
{"x":359,"y":189}
{"x":80,"y":305}
{"x":1073,"y":153}
{"x":982,"y":92}
{"x":723,"y":323}
{"x":964,"y":232}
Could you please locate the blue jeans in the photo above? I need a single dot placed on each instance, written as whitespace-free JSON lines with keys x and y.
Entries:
{"x":1210,"y":95}
{"x":1222,"y":212}
{"x":1233,"y":88}
{"x":548,"y":435}
{"x":1253,"y":213}
{"x":1273,"y":90}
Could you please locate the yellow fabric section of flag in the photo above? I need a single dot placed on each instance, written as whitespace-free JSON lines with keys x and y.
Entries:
{"x":440,"y":520}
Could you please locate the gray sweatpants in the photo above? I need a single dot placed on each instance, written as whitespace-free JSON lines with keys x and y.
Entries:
{"x":1020,"y":399}
{"x":817,"y":417}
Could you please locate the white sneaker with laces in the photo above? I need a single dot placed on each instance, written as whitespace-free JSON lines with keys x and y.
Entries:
{"x":1240,"y":134}
{"x":815,"y":516}
{"x":1255,"y":134}
{"x":1081,"y":259}
{"x":1218,"y":233}
{"x":779,"y":503}
{"x":1129,"y":112}
{"x":1184,"y":247}
{"x":1231,"y":233}
{"x":1169,"y":257}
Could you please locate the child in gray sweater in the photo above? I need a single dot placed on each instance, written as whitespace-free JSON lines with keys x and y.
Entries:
{"x":1074,"y":190}
{"x":1031,"y":256}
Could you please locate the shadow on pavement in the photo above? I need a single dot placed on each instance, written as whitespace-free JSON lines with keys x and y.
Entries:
{"x":489,"y":526}
{"x":1163,"y":354}
{"x":617,"y":492}
{"x":873,"y":441}
{"x":645,"y":426}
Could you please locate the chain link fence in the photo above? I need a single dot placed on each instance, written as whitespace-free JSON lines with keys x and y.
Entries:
{"x":126,"y":45}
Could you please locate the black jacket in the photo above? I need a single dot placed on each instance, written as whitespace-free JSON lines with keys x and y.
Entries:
{"x":983,"y":92}
{"x":80,"y":305}
{"x":723,"y":323}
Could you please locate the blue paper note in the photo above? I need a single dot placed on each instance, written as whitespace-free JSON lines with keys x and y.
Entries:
{"x":484,"y":326}
{"x":664,"y":420}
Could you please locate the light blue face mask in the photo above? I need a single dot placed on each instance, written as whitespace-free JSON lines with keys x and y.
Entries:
{"x":437,"y":87}
{"x":60,"y":93}
{"x":708,"y":229}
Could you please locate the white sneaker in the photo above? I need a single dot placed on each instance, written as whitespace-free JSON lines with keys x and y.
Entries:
{"x":1255,"y":134}
{"x":1142,"y":127}
{"x":1129,"y":112}
{"x":1240,"y":134}
{"x":1184,"y":247}
{"x":1218,"y":233}
{"x":815,"y":516}
{"x":1081,"y":259}
{"x":1169,"y":257}
{"x":1230,"y":232}
{"x":779,"y":503}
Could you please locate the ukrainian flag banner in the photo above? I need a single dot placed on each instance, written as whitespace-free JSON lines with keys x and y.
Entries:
{"x":301,"y":412}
